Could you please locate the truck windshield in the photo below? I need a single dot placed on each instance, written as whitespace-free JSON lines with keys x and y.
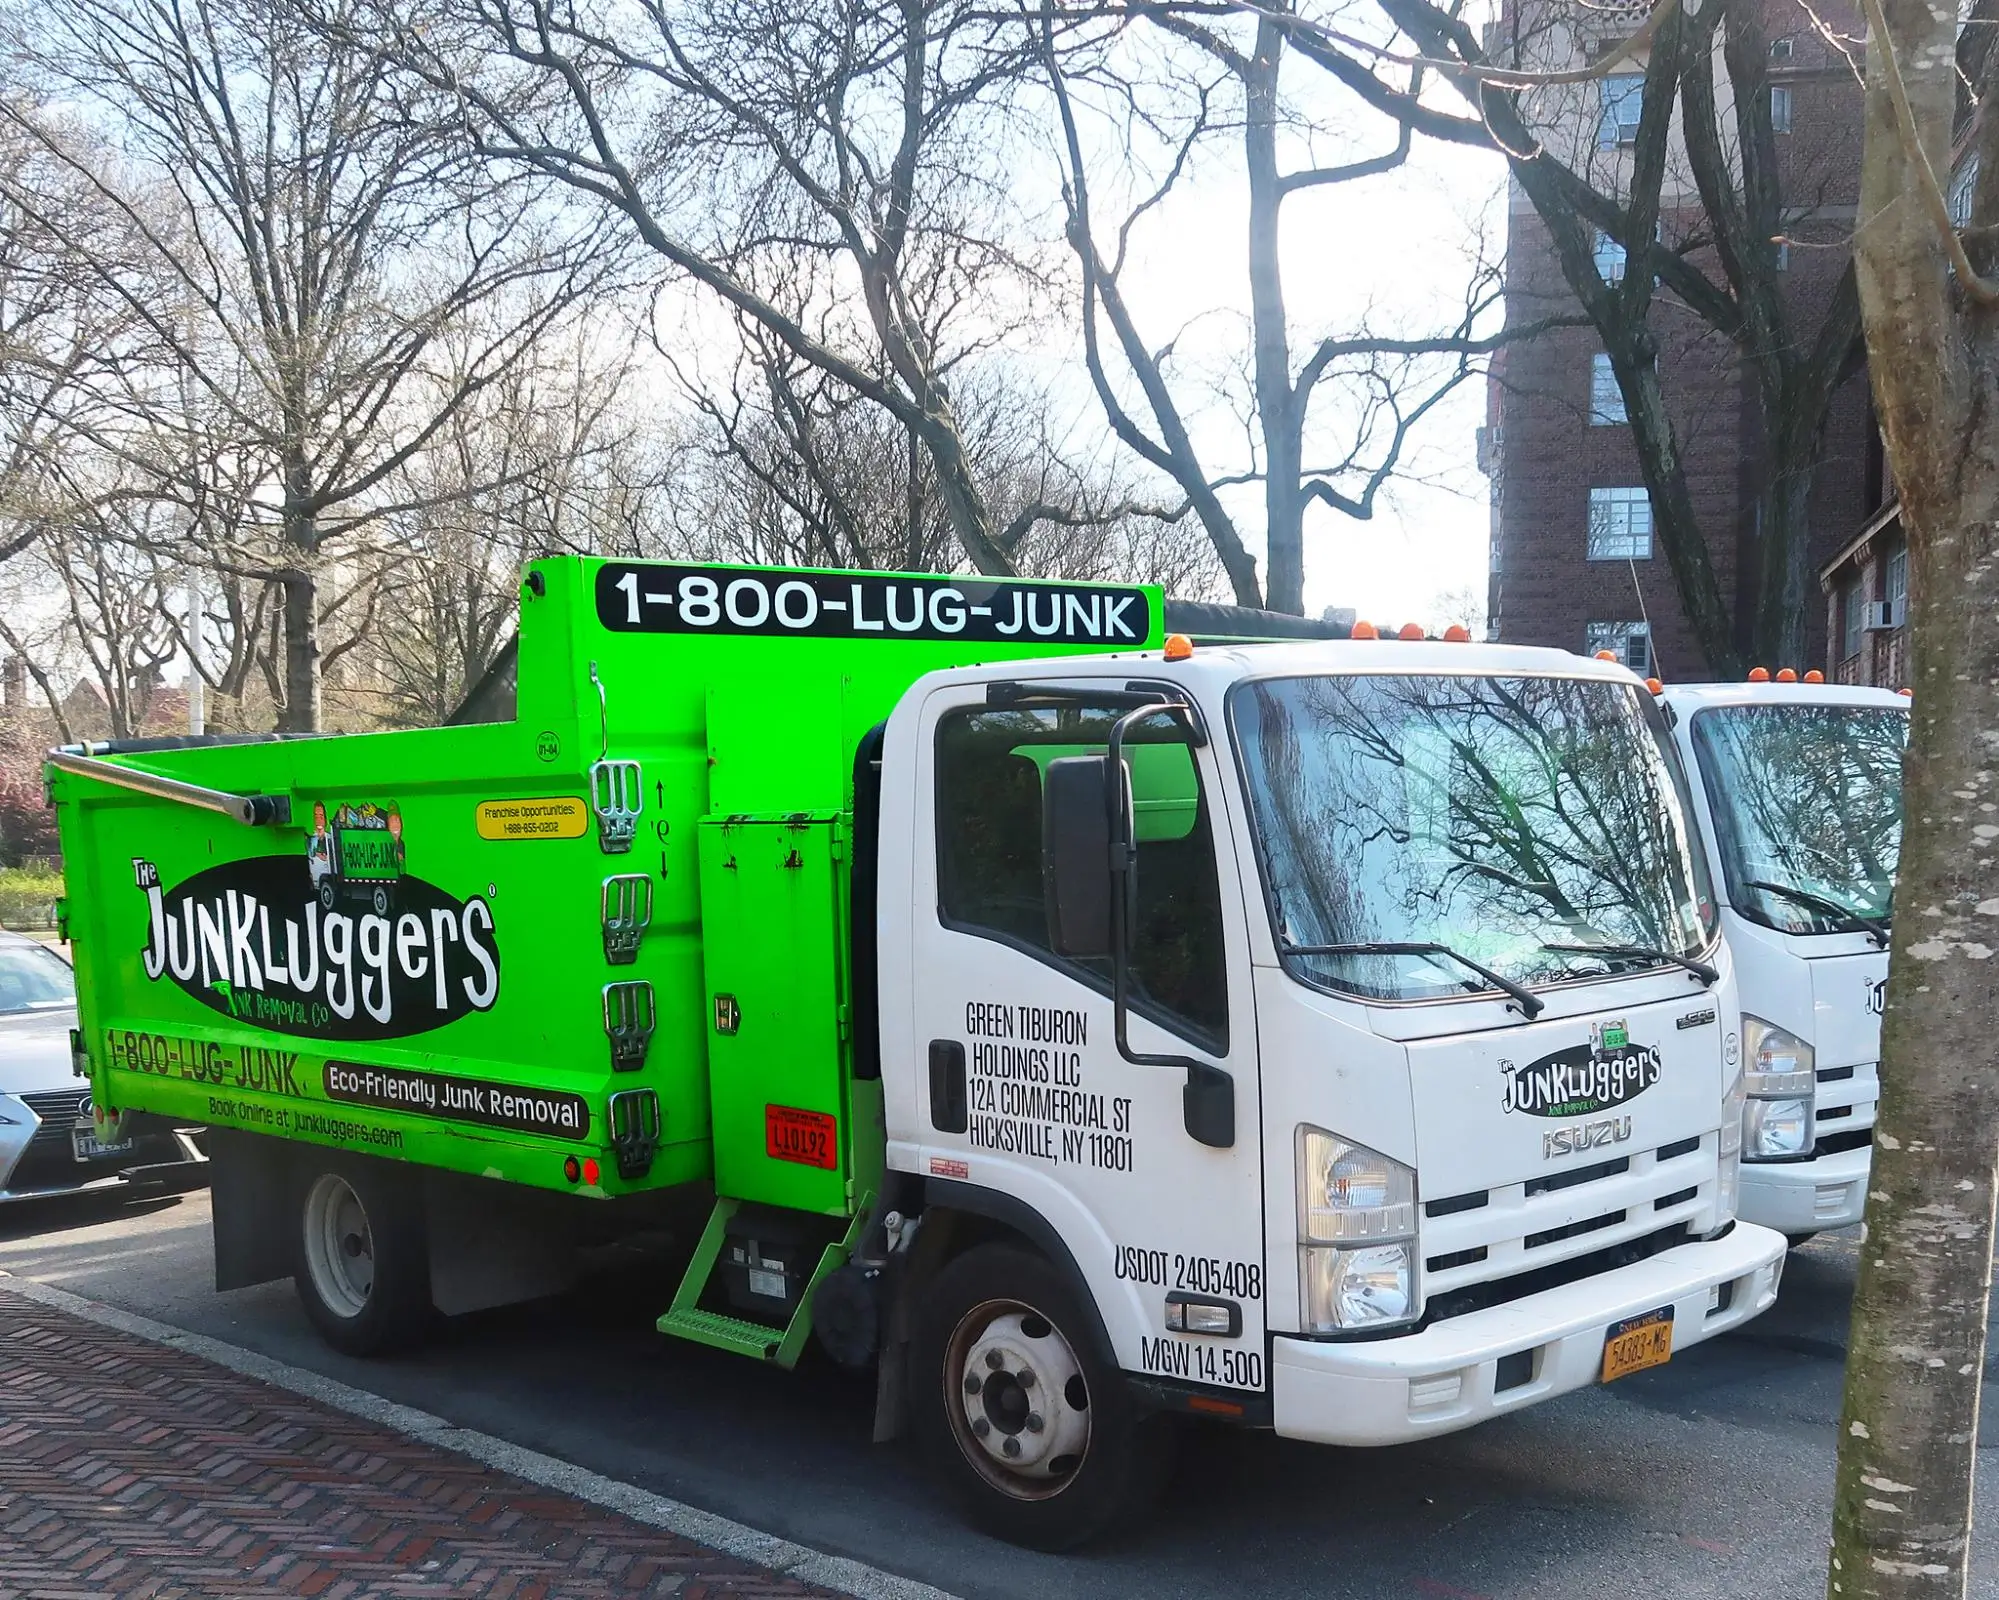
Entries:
{"x":1494,"y":818}
{"x":1807,"y":804}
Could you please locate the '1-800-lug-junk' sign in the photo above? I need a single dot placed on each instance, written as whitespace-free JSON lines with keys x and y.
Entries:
{"x":252,"y":940}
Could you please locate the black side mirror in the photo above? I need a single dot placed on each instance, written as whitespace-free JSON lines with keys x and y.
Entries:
{"x":1076,"y":882}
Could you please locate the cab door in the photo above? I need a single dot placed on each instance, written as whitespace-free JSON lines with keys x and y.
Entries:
{"x":1027,"y":1092}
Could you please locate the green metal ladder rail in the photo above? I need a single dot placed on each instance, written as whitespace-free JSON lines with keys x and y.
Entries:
{"x":685,"y":1319}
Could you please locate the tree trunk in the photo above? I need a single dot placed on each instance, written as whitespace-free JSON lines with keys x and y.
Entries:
{"x":1276,"y":399}
{"x":1909,"y":1429}
{"x":1784,"y":559}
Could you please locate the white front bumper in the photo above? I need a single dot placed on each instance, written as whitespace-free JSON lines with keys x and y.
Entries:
{"x":1389,"y":1390}
{"x":1805,"y":1196}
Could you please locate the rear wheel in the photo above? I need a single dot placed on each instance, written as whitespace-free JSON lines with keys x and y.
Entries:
{"x":1038,"y":1434}
{"x":361,"y":1260}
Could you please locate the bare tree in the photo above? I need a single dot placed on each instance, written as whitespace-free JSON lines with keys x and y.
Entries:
{"x":1930,"y":301}
{"x":1341,"y":454}
{"x":859,"y":143}
{"x":1690,"y":192}
{"x":307,"y":226}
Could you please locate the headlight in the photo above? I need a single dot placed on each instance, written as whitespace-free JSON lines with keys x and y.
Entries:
{"x":1780,"y":1064}
{"x":1356,"y":1235}
{"x":1775,"y":1129}
{"x":1781,"y":1079}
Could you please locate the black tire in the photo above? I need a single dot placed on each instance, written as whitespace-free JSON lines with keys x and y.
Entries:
{"x":375,"y":1297}
{"x":327,"y":894}
{"x":1001,"y":1295}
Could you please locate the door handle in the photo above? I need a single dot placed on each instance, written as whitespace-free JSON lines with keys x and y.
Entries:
{"x":948,"y":1109}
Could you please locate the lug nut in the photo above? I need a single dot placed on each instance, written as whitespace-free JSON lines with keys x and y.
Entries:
{"x":981,"y":1427}
{"x":1012,"y":1446}
{"x":1034,"y":1422}
{"x":1026,"y":1377}
{"x":972,"y":1384}
{"x":995,"y":1360}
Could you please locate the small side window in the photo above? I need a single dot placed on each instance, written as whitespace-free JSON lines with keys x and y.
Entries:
{"x":990,"y":765}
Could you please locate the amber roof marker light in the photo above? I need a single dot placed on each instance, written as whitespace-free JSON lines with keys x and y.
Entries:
{"x":1178,"y":647}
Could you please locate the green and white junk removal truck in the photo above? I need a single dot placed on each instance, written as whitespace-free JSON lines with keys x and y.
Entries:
{"x":1074,"y":1024}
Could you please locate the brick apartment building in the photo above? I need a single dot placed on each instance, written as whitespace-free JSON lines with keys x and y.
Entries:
{"x":1574,"y":563}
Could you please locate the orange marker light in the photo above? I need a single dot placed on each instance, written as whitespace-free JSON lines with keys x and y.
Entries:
{"x":1457,"y":633}
{"x":1606,"y":655}
{"x":1815,"y":676}
{"x":1908,"y":692}
{"x":1364,"y":630}
{"x":1655,"y":685}
{"x":1411,"y":630}
{"x":1787,"y":675}
{"x":1759,"y":674}
{"x":1178,"y":647}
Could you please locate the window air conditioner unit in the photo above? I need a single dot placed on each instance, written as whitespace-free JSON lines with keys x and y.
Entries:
{"x":1883,"y":616}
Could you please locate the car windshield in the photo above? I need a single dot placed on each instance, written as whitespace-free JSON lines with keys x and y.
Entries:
{"x":1487,"y":817}
{"x":33,"y":979}
{"x":1807,"y":803}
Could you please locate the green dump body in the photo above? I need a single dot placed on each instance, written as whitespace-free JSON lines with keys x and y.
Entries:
{"x":452,"y":952}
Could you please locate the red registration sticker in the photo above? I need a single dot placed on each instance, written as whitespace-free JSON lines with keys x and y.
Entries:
{"x":811,"y":1138}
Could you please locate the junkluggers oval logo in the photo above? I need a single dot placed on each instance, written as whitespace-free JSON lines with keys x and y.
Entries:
{"x":1580,"y":1081}
{"x":254,"y":940}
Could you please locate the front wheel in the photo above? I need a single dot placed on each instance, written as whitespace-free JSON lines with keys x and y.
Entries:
{"x":361,"y":1260}
{"x":1037,"y":1432}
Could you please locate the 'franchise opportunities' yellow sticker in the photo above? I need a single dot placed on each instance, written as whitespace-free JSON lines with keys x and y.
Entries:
{"x":558,"y":817}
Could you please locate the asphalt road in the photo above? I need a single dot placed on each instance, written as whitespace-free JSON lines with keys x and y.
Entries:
{"x":1708,"y":1477}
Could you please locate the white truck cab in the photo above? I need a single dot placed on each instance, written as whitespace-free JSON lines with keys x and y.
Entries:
{"x":1396,"y":1085}
{"x":1799,"y":798}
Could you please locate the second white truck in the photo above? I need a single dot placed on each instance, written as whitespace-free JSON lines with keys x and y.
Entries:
{"x":1799,"y":795}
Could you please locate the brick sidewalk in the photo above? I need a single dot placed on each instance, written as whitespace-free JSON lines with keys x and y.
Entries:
{"x":133,"y":1471}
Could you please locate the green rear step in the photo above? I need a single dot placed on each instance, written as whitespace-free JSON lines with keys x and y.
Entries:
{"x":686,"y":1320}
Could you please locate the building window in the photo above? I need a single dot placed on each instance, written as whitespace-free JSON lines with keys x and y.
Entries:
{"x":1620,"y":525}
{"x":1630,"y":642}
{"x":1609,"y":258}
{"x":1623,"y":94}
{"x":1852,"y":618}
{"x":1780,"y":108}
{"x":1895,"y":586}
{"x":1782,"y":48}
{"x":1606,"y":400}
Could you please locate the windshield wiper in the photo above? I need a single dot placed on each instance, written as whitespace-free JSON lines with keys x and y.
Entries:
{"x":1874,"y":930}
{"x":1700,"y":969}
{"x":1531,"y":1005}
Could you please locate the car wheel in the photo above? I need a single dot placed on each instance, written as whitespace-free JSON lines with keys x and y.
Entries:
{"x":361,"y":1259}
{"x":1039,"y":1435}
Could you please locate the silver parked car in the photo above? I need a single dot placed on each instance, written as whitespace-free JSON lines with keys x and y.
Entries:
{"x":47,"y":1143}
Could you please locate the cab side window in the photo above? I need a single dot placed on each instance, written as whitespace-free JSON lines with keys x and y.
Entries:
{"x":989,"y":778}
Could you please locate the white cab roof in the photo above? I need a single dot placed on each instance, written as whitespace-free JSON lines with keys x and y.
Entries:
{"x":1692,"y":697}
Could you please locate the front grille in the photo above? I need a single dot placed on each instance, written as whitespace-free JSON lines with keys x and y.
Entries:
{"x":1483,"y":1246}
{"x":1499,"y":1291}
{"x":1834,"y":1113}
{"x":58,"y":1109}
{"x":1835,"y":1143}
{"x":1834,"y":1074}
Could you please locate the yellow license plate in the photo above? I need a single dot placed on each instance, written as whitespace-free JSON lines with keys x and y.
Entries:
{"x":1637,"y":1343}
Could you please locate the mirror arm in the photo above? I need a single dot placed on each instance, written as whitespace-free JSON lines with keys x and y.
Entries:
{"x":1207,"y":1102}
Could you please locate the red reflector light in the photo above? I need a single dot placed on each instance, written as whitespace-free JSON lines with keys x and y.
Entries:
{"x":1219,"y":1408}
{"x":571,"y":1169}
{"x":590,"y":1171}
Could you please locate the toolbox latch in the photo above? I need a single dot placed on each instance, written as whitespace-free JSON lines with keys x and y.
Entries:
{"x":617,"y":795}
{"x":628,"y":1020}
{"x":634,"y":1118}
{"x":627,"y":908}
